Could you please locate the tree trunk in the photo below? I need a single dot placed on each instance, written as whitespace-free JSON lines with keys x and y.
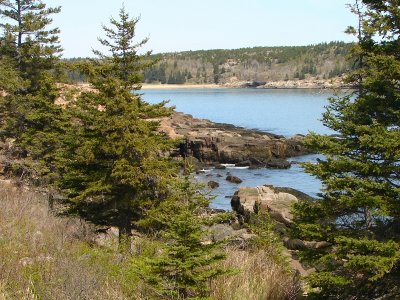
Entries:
{"x":124,"y":236}
{"x":183,"y":293}
{"x":19,"y":24}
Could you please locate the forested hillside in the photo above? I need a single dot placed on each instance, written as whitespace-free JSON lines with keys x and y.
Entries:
{"x":261,"y":64}
{"x":321,"y":61}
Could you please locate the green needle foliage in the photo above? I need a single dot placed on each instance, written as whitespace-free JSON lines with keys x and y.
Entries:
{"x":10,"y":79}
{"x":28,"y":52}
{"x":37,"y":48}
{"x":186,"y":262}
{"x":36,"y":124}
{"x":359,"y":213}
{"x":124,"y":61}
{"x":114,"y":161}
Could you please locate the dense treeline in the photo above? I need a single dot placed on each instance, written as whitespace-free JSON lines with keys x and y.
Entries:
{"x":322,"y":61}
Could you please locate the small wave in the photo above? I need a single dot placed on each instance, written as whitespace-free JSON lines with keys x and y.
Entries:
{"x":228,"y":165}
{"x":232,"y":166}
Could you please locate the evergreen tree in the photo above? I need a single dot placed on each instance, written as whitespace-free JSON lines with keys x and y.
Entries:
{"x":29,"y":51}
{"x":186,"y":263}
{"x":37,"y":48}
{"x":10,"y":79}
{"x":124,"y":62}
{"x":216,"y":73}
{"x":359,"y":213}
{"x":113,"y":160}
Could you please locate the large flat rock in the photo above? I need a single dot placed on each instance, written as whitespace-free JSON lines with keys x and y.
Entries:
{"x":276,"y":201}
{"x":212,"y":143}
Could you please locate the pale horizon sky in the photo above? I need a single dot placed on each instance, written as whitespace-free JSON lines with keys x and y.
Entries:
{"x":181,"y":25}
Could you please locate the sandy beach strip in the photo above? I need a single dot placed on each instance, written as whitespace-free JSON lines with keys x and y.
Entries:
{"x":146,"y":86}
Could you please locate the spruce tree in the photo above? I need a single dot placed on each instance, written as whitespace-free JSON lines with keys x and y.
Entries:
{"x":124,"y":61}
{"x":10,"y":79}
{"x":37,"y":47}
{"x":359,"y":213}
{"x":114,"y":160}
{"x":186,"y":262}
{"x":30,"y":51}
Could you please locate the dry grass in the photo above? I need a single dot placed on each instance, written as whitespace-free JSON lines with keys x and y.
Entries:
{"x":46,"y":257}
{"x":260,"y":277}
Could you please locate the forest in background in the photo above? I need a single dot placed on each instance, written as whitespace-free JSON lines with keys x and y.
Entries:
{"x":261,"y":64}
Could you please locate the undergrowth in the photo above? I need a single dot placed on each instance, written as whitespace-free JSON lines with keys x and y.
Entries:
{"x":43,"y":256}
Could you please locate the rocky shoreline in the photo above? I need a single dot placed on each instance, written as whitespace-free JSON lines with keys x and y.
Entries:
{"x":211,"y":144}
{"x":278,"y":203}
{"x":208,"y":143}
{"x":308,"y":83}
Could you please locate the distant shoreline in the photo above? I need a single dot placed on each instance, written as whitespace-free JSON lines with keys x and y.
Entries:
{"x":147,"y":86}
{"x":291,"y":84}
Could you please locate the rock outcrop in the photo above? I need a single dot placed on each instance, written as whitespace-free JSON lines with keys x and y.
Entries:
{"x":212,"y":184}
{"x":276,"y":201}
{"x":233,"y":179}
{"x":214,"y":143}
{"x":237,"y":237}
{"x":307,"y":83}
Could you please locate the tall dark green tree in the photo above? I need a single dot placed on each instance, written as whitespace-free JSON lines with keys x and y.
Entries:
{"x":37,"y":47}
{"x":10,"y":79}
{"x":114,"y":162}
{"x":359,"y":213}
{"x":186,"y":262}
{"x":29,"y":50}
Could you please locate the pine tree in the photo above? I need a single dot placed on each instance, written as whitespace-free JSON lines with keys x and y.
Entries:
{"x":186,"y":263}
{"x":37,"y":48}
{"x":124,"y":61}
{"x":114,"y":162}
{"x":30,"y":51}
{"x":359,"y":213}
{"x":10,"y":79}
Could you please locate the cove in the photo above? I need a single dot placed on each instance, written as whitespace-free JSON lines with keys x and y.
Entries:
{"x":280,"y":111}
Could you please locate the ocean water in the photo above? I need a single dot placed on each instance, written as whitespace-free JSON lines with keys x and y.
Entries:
{"x":283,"y":112}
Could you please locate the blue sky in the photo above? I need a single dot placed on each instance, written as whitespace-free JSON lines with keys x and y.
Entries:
{"x":178,"y":25}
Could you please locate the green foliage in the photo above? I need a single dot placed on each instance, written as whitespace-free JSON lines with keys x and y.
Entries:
{"x":28,"y":52}
{"x":325,"y":60}
{"x":10,"y":79}
{"x":176,"y":78}
{"x":36,"y":124}
{"x":217,"y":66}
{"x":124,"y":62}
{"x":114,"y":162}
{"x":186,"y":262}
{"x":359,"y":211}
{"x":263,"y":227}
{"x":36,"y":47}
{"x":156,"y":73}
{"x":112,"y":152}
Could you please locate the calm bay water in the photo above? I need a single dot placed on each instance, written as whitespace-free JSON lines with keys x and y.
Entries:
{"x":281,"y":111}
{"x":284,"y":112}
